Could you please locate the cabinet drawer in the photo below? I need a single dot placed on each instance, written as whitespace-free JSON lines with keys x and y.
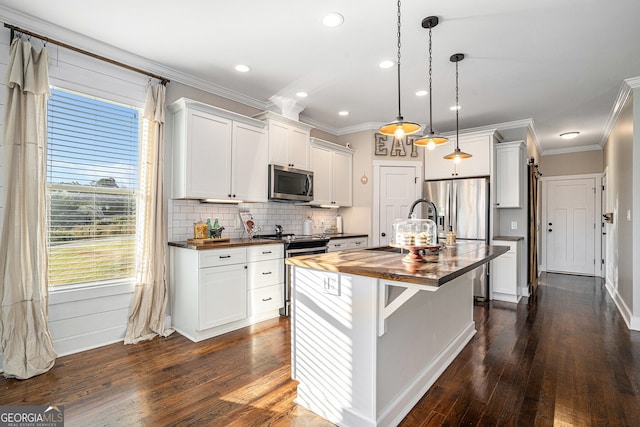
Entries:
{"x":265,"y":273}
{"x":218,"y":257}
{"x":265,"y":252}
{"x":358,"y":243}
{"x":338,"y":245}
{"x":265,"y":299}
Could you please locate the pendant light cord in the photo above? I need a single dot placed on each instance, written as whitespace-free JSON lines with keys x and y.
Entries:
{"x":430,"y":90}
{"x":399,"y":44}
{"x":457,"y":106}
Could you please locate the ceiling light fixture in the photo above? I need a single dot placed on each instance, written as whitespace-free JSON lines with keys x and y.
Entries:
{"x":430,"y":139}
{"x":343,"y":113}
{"x":569,"y":135}
{"x":332,"y":19}
{"x":457,"y":155}
{"x":302,"y":94}
{"x":241,"y":68}
{"x":386,"y":64}
{"x":422,"y":93}
{"x":399,"y":127}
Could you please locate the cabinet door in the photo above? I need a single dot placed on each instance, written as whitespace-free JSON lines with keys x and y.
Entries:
{"x":278,"y":143}
{"x":208,"y":163}
{"x":249,"y":163}
{"x":503,"y":274}
{"x":508,"y":177}
{"x":435,"y":167}
{"x":342,"y":182}
{"x":322,"y":174}
{"x":299,"y":148}
{"x":223,"y":295}
{"x":480,"y":162}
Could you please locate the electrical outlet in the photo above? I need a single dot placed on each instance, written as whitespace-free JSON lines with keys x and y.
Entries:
{"x":514,"y":225}
{"x":331,"y":285}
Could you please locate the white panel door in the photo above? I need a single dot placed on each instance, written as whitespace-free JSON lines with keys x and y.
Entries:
{"x":397,"y":193}
{"x":570,"y":226}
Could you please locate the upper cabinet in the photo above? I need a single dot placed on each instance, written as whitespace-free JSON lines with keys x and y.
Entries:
{"x":288,"y":140}
{"x":508,"y":178}
{"x":332,"y":167}
{"x":217,"y":154}
{"x":478,"y":144}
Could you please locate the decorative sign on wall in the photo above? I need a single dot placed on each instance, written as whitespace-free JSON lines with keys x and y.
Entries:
{"x":386,"y":145}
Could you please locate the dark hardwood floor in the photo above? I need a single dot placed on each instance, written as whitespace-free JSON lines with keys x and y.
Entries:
{"x":564,"y":358}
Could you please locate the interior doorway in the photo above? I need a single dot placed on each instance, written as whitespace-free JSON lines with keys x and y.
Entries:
{"x":571,"y":226}
{"x":396,"y":185}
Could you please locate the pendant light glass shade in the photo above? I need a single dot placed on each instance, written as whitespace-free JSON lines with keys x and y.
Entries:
{"x":399,"y":127}
{"x":430,"y":139}
{"x":457,"y":154}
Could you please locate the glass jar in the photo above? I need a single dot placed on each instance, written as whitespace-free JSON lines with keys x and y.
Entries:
{"x":414,"y":232}
{"x":200,"y":230}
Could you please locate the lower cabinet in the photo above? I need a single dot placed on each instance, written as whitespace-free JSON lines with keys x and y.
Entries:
{"x":341,"y":244}
{"x":219,"y":290}
{"x":505,"y":273}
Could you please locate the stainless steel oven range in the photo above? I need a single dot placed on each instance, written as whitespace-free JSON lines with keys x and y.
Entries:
{"x":296,"y":245}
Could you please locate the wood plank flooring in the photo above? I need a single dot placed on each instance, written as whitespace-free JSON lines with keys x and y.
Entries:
{"x":564,"y":358}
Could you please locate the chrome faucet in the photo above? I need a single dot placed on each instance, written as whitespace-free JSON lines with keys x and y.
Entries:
{"x":433,"y":205}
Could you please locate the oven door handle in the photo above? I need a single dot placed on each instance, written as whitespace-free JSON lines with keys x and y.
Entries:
{"x":302,"y":250}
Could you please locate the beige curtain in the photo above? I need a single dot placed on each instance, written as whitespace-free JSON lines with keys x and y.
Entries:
{"x":25,"y":341}
{"x":151,"y":294}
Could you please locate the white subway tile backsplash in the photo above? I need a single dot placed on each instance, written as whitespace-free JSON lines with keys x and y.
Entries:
{"x":266,"y":215}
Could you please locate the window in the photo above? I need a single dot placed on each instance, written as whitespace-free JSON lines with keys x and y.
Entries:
{"x":92,"y":176}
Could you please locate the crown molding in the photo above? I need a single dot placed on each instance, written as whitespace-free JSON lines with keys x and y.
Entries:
{"x":623,"y":94}
{"x":567,"y":150}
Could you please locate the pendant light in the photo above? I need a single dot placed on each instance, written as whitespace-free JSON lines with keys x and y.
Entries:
{"x":430,"y":139}
{"x":457,"y":155}
{"x":399,"y":127}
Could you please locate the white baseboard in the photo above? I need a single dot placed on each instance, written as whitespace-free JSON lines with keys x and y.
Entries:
{"x":633,"y":322}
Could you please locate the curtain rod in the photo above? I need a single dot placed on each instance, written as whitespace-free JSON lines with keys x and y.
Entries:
{"x":14,"y":29}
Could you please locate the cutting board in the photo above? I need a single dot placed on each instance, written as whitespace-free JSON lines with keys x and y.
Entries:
{"x":207,"y":241}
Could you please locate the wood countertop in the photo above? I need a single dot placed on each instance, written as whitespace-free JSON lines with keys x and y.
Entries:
{"x":227,"y":244}
{"x":441,"y":266}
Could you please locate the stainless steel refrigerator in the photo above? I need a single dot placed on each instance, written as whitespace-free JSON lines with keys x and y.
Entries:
{"x":463,"y":204}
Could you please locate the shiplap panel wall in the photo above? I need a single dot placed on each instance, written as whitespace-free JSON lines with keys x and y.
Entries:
{"x":84,"y":317}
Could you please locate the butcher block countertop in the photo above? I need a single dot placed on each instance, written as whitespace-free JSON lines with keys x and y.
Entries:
{"x":226,"y":244}
{"x":384,"y":263}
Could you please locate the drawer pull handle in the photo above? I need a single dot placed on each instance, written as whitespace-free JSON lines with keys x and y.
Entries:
{"x":267,"y":299}
{"x":264,"y":273}
{"x":266,"y":252}
{"x":225,"y":256}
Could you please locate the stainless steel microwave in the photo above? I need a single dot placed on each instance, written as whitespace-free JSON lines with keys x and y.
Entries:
{"x":289,"y":184}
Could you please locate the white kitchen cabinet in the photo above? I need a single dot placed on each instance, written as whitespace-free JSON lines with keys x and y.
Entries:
{"x":478,"y":144}
{"x":220,"y":290}
{"x":217,"y":154}
{"x":288,"y":140}
{"x":509,"y":169}
{"x":332,"y":167}
{"x":341,"y":244}
{"x":505,"y":272}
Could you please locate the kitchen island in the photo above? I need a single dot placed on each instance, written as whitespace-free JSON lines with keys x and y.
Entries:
{"x":371,"y":334}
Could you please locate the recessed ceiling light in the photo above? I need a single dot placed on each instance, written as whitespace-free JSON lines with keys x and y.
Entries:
{"x":569,"y":135}
{"x":332,"y":19}
{"x":343,"y":113}
{"x":455,"y":107}
{"x":422,"y":93}
{"x":241,"y":68}
{"x":302,"y":94}
{"x":386,"y":64}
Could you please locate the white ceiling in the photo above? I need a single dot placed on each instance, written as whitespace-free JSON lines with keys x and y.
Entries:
{"x":561,"y":63}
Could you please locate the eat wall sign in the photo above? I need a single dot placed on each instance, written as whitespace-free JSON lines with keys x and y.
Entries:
{"x":387,"y":145}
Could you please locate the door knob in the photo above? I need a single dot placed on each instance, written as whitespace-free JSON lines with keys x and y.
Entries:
{"x":550,"y":230}
{"x":550,"y":224}
{"x":383,"y":234}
